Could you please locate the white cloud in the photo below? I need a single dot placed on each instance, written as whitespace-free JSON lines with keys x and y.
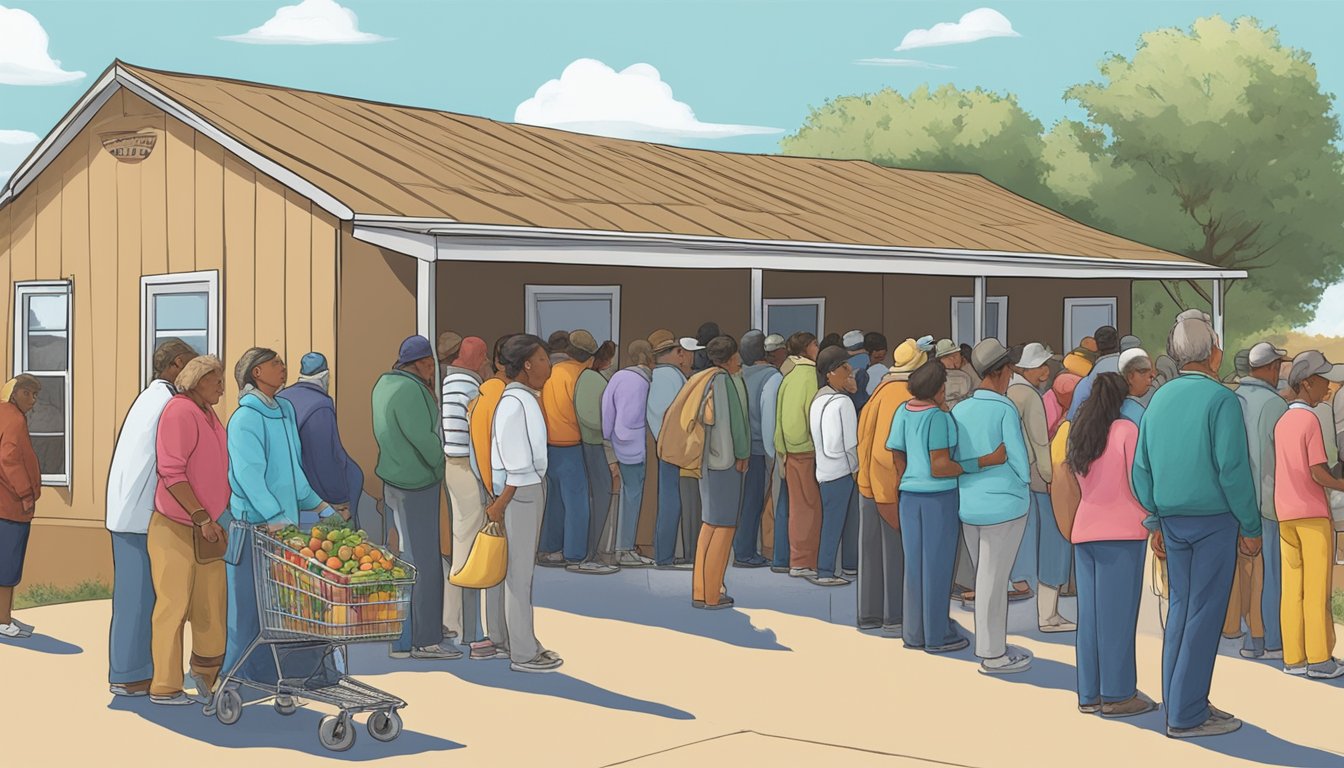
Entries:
{"x":911,"y":63}
{"x":980,"y":24}
{"x":311,"y":22}
{"x":14,"y":147}
{"x":635,"y":103}
{"x":1329,"y":319}
{"x":24,"y":59}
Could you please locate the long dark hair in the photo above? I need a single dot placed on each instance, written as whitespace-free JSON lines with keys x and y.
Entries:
{"x":1092,"y":427}
{"x":518,"y":349}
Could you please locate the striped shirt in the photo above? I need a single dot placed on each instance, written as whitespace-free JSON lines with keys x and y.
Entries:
{"x":460,"y":387}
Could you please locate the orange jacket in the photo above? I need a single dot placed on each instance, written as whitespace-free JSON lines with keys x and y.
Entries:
{"x":481,"y":420}
{"x":20,"y":477}
{"x":877,"y":472}
{"x":557,"y":403}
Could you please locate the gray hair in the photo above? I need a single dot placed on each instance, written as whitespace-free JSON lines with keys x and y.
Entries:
{"x":1137,"y":363}
{"x":1192,"y":340}
{"x":168,"y":352}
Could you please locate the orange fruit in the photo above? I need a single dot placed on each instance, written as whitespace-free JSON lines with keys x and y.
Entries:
{"x":306,"y":552}
{"x":334,"y":563}
{"x":316,"y":532}
{"x":365,"y":560}
{"x":361,"y":551}
{"x":366,"y":567}
{"x":315,"y":543}
{"x":386,"y":564}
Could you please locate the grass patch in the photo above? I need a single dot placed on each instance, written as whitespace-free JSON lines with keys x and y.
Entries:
{"x":46,"y":594}
{"x":1337,"y":605}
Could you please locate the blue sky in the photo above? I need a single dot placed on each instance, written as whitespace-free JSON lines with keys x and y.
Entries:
{"x":738,"y":64}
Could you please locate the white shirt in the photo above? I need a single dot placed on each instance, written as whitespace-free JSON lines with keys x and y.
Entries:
{"x":460,"y":387}
{"x":835,"y":433}
{"x":133,"y":477}
{"x":518,"y":440}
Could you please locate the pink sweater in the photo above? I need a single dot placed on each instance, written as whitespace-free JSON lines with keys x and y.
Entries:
{"x":1108,"y":510}
{"x":193,"y":448}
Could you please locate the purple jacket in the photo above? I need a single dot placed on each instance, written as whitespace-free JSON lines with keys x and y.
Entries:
{"x":623,"y":405}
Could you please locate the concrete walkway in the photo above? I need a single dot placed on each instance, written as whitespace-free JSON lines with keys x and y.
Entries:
{"x":783,"y":679}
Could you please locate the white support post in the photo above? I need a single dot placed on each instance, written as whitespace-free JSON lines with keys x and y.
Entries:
{"x":981,"y":309}
{"x":426,"y":306}
{"x":757,"y":308}
{"x":1218,"y":313}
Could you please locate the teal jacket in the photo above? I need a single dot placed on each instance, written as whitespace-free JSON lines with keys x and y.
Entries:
{"x":1192,"y":458}
{"x":408,"y":429}
{"x":995,"y":494}
{"x":266,"y":464}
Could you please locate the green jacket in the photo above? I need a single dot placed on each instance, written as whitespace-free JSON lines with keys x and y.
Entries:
{"x":588,"y":405}
{"x":793,"y":430}
{"x":407,"y":426}
{"x":1192,"y":458}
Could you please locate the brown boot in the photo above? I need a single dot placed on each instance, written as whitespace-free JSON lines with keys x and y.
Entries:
{"x":1138,"y":704}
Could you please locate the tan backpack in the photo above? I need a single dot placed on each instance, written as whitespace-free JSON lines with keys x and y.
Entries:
{"x":681,"y":442}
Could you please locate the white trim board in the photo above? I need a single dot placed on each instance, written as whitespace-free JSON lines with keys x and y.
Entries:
{"x":19,"y":363}
{"x":1094,"y":301}
{"x":1000,"y":303}
{"x":533,"y":291}
{"x":187,"y":282}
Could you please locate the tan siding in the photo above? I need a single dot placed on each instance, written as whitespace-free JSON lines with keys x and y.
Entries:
{"x":47,"y":265}
{"x":75,"y":263}
{"x":104,"y":418}
{"x":128,"y":342}
{"x":6,"y":295}
{"x":324,"y":298}
{"x":297,"y":267}
{"x":24,"y":247}
{"x":180,"y":152}
{"x":209,"y":204}
{"x":154,"y":210}
{"x":240,"y":201}
{"x":269,"y":287}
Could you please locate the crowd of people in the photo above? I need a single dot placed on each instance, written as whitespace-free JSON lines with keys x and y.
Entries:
{"x":931,"y":469}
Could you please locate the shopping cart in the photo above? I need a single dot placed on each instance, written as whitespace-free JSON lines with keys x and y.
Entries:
{"x":308,"y":615}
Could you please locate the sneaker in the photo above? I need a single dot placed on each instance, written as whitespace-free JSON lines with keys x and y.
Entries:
{"x":204,"y":693}
{"x":1326,"y":670}
{"x":1211,"y":727}
{"x":1255,"y":650}
{"x":779,"y":569}
{"x":632,"y":559}
{"x":551,"y":560}
{"x":1297,"y":670}
{"x":394,"y":654}
{"x":827,"y":581}
{"x":724,"y":602}
{"x":592,"y":568}
{"x":130,"y":690}
{"x":1219,"y":714}
{"x":178,"y":699}
{"x":678,"y":565}
{"x":12,"y":630}
{"x":1015,"y":660}
{"x":755,"y":562}
{"x":955,"y":645}
{"x":25,"y":628}
{"x":802,"y":573}
{"x":1090,"y":709}
{"x":546,"y":661}
{"x":1058,"y":623}
{"x":435,"y":652}
{"x":484,"y":650}
{"x":1135,"y":705}
{"x":1275,"y":654}
{"x":449,"y":634}
{"x":1018,"y":595}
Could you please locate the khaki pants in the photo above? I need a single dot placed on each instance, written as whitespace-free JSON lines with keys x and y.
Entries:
{"x":1248,"y":582}
{"x":800,"y":472}
{"x":184,"y":591}
{"x":1308,"y":629}
{"x":466,"y":499}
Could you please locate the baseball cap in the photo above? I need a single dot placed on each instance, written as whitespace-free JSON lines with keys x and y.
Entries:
{"x":773,"y":342}
{"x":1034,"y":355}
{"x":662,"y":340}
{"x":1264,"y":353}
{"x":1131,"y":354}
{"x":689,"y":344}
{"x":1313,"y":363}
{"x":1129,"y":342}
{"x":449,"y":342}
{"x":989,"y":354}
{"x":945,"y":347}
{"x":312,"y":364}
{"x":852,"y":340}
{"x":583,"y":341}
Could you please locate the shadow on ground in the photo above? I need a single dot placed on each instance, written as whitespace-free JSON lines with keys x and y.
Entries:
{"x":261,"y":726}
{"x":40,"y":643}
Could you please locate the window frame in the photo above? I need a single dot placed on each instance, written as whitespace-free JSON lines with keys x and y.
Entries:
{"x":535,"y":292}
{"x":818,"y":301}
{"x":152,"y":286}
{"x":990,"y":302}
{"x":66,"y":288}
{"x":1069,"y":304}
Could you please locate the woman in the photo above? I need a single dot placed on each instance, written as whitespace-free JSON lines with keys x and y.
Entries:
{"x":1096,"y":510}
{"x":727,"y":449}
{"x":921,"y":441}
{"x":481,"y":414}
{"x":518,"y":476}
{"x":835,"y":433}
{"x":1058,"y":400}
{"x":603,"y":359}
{"x":20,"y":487}
{"x":624,"y":409}
{"x":192,"y":492}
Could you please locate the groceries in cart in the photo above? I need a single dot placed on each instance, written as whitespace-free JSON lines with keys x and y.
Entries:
{"x":347,"y":552}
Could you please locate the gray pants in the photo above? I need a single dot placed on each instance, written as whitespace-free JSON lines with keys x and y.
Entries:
{"x":508,"y":611}
{"x":416,"y":515}
{"x":599,"y":495}
{"x":881,"y":567}
{"x":690,"y":516}
{"x":993,"y":548}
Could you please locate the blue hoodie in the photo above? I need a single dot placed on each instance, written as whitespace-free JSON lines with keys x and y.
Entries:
{"x":266,"y":464}
{"x":329,"y":469}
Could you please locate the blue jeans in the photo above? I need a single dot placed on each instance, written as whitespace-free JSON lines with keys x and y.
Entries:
{"x":564,"y":526}
{"x":755,"y":486}
{"x":1201,"y":559}
{"x":1110,"y":581}
{"x":930,"y":532}
{"x":1271,"y":596}
{"x":129,"y":659}
{"x":632,"y":495}
{"x":781,"y":551}
{"x":1045,"y":555}
{"x":849,"y":537}
{"x":837,"y":497}
{"x":667,"y":523}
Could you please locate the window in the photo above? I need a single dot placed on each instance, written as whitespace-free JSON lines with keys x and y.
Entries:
{"x":789,"y":316}
{"x":42,"y":348}
{"x":594,"y":308}
{"x":963,"y":319}
{"x":183,"y":306}
{"x":1082,"y":317}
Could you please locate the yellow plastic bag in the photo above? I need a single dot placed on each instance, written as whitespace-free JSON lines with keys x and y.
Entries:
{"x":487,"y":561}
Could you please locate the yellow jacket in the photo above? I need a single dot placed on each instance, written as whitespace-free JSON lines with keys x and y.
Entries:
{"x":877,"y":471}
{"x":557,"y":403}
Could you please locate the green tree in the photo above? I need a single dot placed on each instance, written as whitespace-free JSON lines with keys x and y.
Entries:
{"x":942,"y":130}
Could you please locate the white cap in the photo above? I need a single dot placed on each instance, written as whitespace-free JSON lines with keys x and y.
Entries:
{"x":773,"y":342}
{"x":1264,"y":353}
{"x":852,"y":340}
{"x":1129,"y":355}
{"x":1034,"y":355}
{"x":1313,"y":363}
{"x":690,"y":344}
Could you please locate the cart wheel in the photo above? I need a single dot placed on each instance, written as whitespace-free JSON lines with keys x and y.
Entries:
{"x":335,"y":733}
{"x":228,"y":705}
{"x":286,"y":705}
{"x":385,"y":726}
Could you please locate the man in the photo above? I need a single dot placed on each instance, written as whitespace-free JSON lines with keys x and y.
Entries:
{"x":672,"y":359}
{"x":599,"y":464}
{"x":994,"y":502}
{"x":408,"y":431}
{"x":776,"y":350}
{"x":1256,"y":581}
{"x":756,"y":374}
{"x":1337,"y":408}
{"x":876,"y":346}
{"x":960,"y":384}
{"x":1108,"y":361}
{"x":564,"y":527}
{"x":793,"y":446}
{"x":625,"y":402}
{"x":130,"y":505}
{"x":1129,"y":342}
{"x":329,"y":469}
{"x":20,"y":487}
{"x":461,"y":363}
{"x":558,"y":346}
{"x":1139,"y":372}
{"x":776,"y":354}
{"x":1192,"y":472}
{"x":1045,"y":556}
{"x":859,"y":361}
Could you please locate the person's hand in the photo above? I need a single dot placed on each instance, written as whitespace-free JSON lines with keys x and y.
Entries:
{"x":343,"y":510}
{"x":1159,"y":545}
{"x":212,"y":532}
{"x":615,"y":477}
{"x":277,"y":527}
{"x":1249,"y":546}
{"x":741,"y":465}
{"x":495,"y":512}
{"x":998,"y":457}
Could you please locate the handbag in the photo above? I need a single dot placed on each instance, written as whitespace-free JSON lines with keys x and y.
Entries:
{"x":208,"y":551}
{"x":487,"y":562}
